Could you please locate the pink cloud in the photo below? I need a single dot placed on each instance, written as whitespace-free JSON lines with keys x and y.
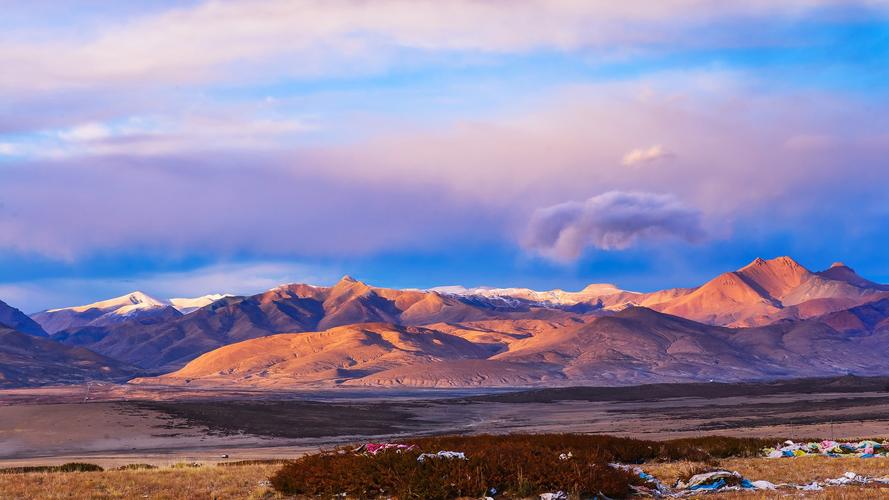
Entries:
{"x":201,"y":43}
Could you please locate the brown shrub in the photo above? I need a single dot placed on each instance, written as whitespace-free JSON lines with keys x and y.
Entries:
{"x":512,"y":465}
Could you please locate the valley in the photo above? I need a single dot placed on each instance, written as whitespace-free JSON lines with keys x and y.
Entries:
{"x":116,"y":427}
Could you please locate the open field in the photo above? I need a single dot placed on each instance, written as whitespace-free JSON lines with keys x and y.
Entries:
{"x":48,"y":426}
{"x":241,"y":482}
{"x":180,"y":481}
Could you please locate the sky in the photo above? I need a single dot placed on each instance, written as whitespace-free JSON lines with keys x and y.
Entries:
{"x":185,"y":148}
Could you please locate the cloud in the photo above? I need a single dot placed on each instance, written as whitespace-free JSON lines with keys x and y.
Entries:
{"x":203,"y":42}
{"x":649,"y":155}
{"x":223,"y":205}
{"x":610,"y":221}
{"x":86,"y":132}
{"x":199,"y":185}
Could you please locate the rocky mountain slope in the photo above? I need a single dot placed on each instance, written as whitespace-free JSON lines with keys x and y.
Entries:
{"x":136,"y":306}
{"x":763,"y":292}
{"x":14,"y":319}
{"x":635,"y":345}
{"x":771,"y":318}
{"x":767,"y":291}
{"x":27,"y":360}
{"x":285,"y":309}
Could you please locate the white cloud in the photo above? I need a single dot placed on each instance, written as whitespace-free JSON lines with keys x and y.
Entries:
{"x":86,"y":132}
{"x":310,"y":37}
{"x":646,"y":155}
{"x":609,"y":221}
{"x":150,"y":135}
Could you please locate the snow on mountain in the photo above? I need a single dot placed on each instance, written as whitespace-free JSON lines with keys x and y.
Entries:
{"x":123,"y":305}
{"x":132,"y":306}
{"x":135,"y":306}
{"x":556,"y":297}
{"x":186,"y":305}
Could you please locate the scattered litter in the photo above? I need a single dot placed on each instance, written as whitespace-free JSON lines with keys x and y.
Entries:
{"x":442,"y":454}
{"x":559,"y":495}
{"x":847,"y":478}
{"x":763,"y":485}
{"x":717,"y":480}
{"x":653,"y":487}
{"x":375,"y":448}
{"x":264,"y":483}
{"x":724,"y":481}
{"x":813,"y":486}
{"x":566,"y":456}
{"x":862,"y":449}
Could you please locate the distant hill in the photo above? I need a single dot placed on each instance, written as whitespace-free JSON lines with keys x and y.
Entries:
{"x":763,"y":292}
{"x":11,"y":317}
{"x":636,"y":345}
{"x":285,"y":309}
{"x":769,"y":319}
{"x":766,"y":291}
{"x":27,"y":360}
{"x":135,"y":306}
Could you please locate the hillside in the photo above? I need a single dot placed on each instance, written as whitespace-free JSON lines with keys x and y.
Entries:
{"x":771,"y":318}
{"x":636,"y":345}
{"x":11,"y":317}
{"x":285,"y":309}
{"x":26,"y":360}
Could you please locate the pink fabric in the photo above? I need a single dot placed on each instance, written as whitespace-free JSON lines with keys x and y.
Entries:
{"x":374,"y":448}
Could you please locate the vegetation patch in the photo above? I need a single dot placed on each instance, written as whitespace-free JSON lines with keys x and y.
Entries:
{"x":508,"y":465}
{"x":137,"y":467}
{"x":240,"y":463}
{"x":69,"y":467}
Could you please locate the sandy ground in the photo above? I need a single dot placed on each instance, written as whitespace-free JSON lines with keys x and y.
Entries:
{"x":64,"y":432}
{"x":50,"y":426}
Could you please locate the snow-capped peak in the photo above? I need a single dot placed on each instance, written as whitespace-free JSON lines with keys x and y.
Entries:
{"x":187,"y":305}
{"x":120,"y":305}
{"x":555,"y":297}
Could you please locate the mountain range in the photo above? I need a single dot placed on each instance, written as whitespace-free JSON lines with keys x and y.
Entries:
{"x":136,"y":306}
{"x":770,"y":319}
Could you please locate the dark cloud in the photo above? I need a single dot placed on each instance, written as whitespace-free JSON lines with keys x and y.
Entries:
{"x":609,"y":221}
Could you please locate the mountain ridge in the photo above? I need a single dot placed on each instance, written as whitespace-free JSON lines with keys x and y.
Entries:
{"x":632,"y":346}
{"x":765,"y":300}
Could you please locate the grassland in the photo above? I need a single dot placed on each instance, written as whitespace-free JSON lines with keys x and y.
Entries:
{"x":517,"y":466}
{"x":165,"y":483}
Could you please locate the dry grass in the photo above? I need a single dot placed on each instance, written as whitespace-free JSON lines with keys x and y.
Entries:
{"x":246,"y":480}
{"x":843,"y":493}
{"x":780,"y":470}
{"x":206,"y":482}
{"x":789,"y":470}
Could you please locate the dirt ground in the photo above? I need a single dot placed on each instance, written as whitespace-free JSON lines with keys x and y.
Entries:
{"x":115,"y":425}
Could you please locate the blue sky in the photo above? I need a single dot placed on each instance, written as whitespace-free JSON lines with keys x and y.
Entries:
{"x":184,"y":148}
